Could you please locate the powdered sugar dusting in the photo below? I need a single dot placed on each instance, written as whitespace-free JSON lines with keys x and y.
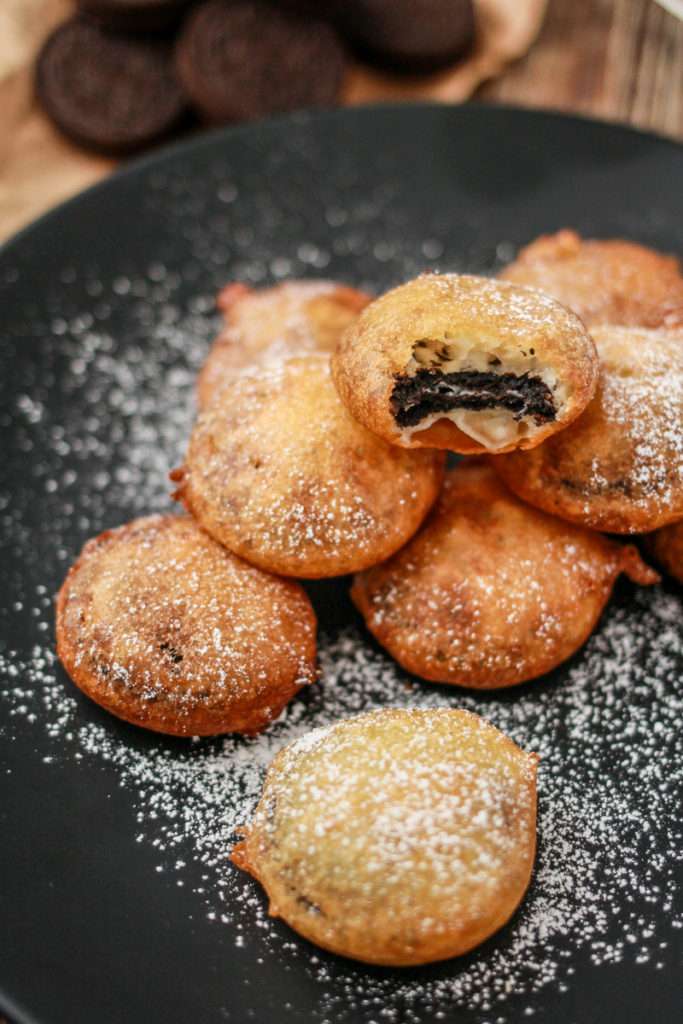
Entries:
{"x":364,"y":821}
{"x":279,"y":471}
{"x":291,"y":318}
{"x":468,"y":599}
{"x":641,"y":396}
{"x":168,"y":629}
{"x":606,"y":727}
{"x":609,"y":842}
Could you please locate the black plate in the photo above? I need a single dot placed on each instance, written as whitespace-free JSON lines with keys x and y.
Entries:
{"x":117,"y":900}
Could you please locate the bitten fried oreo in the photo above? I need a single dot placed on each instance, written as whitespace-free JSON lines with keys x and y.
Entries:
{"x":288,"y":319}
{"x":619,"y":466}
{"x":396,"y":837}
{"x":239,"y":59}
{"x":166,"y":629}
{"x":466,"y":363}
{"x":666,"y":546}
{"x":108,"y":92}
{"x":491,"y":592}
{"x":279,"y":472}
{"x":605,"y":281}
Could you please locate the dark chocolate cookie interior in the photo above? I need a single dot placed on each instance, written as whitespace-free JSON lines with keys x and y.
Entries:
{"x":430,"y":391}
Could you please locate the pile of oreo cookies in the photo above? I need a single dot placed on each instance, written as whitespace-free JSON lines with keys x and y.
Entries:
{"x":122,"y":74}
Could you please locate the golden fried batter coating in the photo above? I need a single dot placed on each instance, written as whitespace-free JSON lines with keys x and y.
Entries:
{"x":397,"y":837}
{"x":279,"y":472}
{"x":603,"y":280}
{"x":666,"y":546}
{"x":619,"y":467}
{"x":462,"y":362}
{"x":290,"y":318}
{"x":166,"y":629}
{"x":491,"y":592}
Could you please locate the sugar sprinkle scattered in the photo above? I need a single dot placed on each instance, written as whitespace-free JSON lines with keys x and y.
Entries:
{"x":607,"y":728}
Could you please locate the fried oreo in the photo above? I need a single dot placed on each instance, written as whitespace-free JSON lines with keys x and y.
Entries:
{"x":491,"y":592}
{"x":619,"y":466}
{"x":279,"y":472}
{"x":397,"y":837}
{"x":287,"y":319}
{"x":666,"y":546}
{"x":605,"y":281}
{"x":465,"y":363}
{"x":164,"y":628}
{"x":240,"y":59}
{"x":106,"y":91}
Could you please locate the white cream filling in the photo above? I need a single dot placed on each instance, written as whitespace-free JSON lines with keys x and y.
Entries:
{"x":493,"y":428}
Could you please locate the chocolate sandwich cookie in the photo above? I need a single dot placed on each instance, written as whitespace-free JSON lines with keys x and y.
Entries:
{"x":108,"y":92}
{"x":239,"y":60}
{"x":322,"y":8}
{"x":412,"y":35}
{"x":135,"y":15}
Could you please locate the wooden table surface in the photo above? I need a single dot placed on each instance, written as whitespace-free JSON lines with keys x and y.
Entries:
{"x":618,"y":60}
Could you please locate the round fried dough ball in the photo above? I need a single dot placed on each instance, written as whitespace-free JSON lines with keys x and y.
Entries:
{"x":605,"y":281}
{"x":164,"y":628}
{"x":466,"y":363}
{"x":288,"y":319}
{"x":279,"y":472}
{"x":619,"y":467}
{"x":396,"y":837}
{"x":490,"y":592}
{"x":666,"y":546}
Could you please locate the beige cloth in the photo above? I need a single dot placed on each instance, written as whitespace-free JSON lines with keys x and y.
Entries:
{"x":38,"y":168}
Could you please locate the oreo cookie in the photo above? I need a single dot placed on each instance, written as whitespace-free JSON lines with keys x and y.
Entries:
{"x":322,"y":8}
{"x":135,"y":15}
{"x":240,"y":59}
{"x":108,"y":92}
{"x":410,"y":35}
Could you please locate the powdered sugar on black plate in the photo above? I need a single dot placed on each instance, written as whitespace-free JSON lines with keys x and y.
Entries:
{"x":98,"y":407}
{"x":606,"y":727}
{"x":609,"y":840}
